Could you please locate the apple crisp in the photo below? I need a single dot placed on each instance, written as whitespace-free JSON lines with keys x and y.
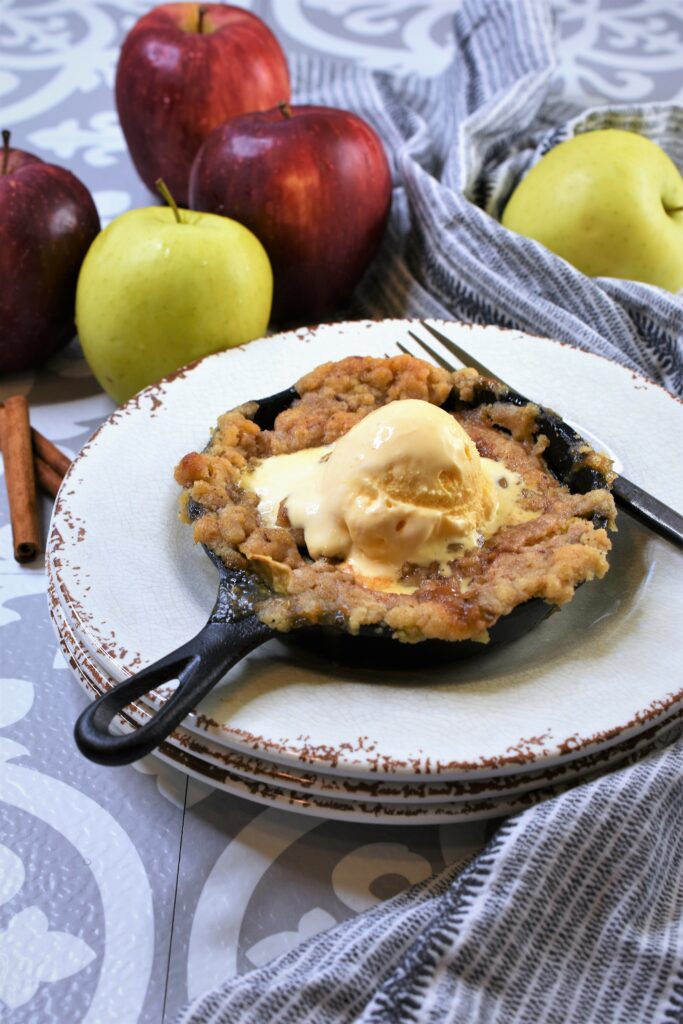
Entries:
{"x":553,"y":545}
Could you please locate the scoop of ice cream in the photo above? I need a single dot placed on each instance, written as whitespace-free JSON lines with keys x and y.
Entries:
{"x":404,"y":484}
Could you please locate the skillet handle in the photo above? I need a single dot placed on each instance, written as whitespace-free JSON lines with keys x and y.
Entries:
{"x":197,"y":665}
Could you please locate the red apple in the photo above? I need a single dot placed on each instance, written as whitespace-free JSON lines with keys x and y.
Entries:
{"x":185,"y":68}
{"x":313,"y":184}
{"x":47,"y":222}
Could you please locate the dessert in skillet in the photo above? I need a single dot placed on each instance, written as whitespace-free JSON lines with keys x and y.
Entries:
{"x":367,"y":503}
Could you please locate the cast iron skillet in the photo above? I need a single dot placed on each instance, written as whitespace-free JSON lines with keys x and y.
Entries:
{"x":234,"y":629}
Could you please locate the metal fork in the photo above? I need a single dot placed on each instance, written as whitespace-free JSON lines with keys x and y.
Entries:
{"x":627,"y":495}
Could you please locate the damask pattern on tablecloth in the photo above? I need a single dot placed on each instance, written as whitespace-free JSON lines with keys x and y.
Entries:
{"x":33,"y":952}
{"x":622,"y":53}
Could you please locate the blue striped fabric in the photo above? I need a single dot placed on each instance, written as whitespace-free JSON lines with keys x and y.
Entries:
{"x":574,"y":912}
{"x":572,"y":915}
{"x":458,"y":144}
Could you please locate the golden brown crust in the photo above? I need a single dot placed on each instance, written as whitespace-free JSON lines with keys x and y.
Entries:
{"x":545,"y":557}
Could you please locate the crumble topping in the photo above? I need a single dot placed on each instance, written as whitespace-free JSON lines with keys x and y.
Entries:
{"x":543,"y":557}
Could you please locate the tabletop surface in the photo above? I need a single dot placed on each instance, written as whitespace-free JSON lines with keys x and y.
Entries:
{"x":124,"y":892}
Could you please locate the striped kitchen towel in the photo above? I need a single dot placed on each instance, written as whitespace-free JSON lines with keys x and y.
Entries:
{"x":458,"y":144}
{"x":573,"y":914}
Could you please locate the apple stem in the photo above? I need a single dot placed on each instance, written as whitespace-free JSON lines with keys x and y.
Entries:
{"x":674,"y":209}
{"x":163,"y":190}
{"x":285,"y":110}
{"x":200,"y":23}
{"x":6,"y":134}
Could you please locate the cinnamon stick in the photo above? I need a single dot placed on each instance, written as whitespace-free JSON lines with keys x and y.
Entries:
{"x":49,"y":462}
{"x":48,"y":479}
{"x":20,"y":478}
{"x":50,"y":454}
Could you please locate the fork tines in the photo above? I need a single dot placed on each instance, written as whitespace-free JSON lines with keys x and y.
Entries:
{"x":466,"y":358}
{"x":634,"y":499}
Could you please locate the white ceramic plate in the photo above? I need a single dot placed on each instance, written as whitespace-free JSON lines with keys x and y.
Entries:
{"x":336,"y":804}
{"x":322,"y":785}
{"x":602,"y":670}
{"x":317,"y":805}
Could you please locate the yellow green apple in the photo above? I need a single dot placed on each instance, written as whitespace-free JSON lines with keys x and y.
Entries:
{"x":610,"y":202}
{"x":160,"y":287}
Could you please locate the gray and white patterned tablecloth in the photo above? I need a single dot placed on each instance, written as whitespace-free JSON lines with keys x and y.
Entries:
{"x":125,"y":892}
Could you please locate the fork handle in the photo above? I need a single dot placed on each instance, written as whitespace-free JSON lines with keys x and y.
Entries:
{"x":648,"y":510}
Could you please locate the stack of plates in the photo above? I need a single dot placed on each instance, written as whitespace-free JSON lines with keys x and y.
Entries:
{"x":588,"y":690}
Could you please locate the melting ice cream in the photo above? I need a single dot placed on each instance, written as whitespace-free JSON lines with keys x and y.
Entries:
{"x":405,"y":484}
